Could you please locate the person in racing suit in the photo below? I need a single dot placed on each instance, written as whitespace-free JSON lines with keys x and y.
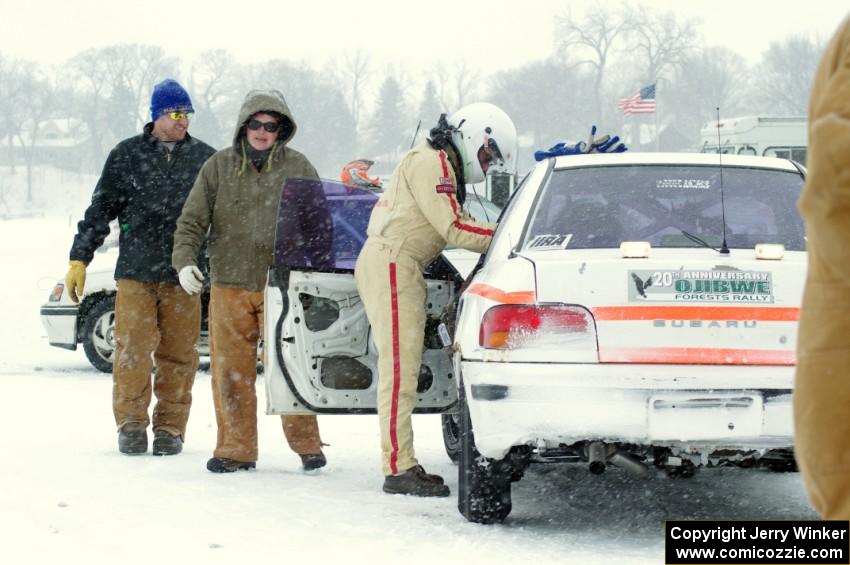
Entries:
{"x":411,"y":223}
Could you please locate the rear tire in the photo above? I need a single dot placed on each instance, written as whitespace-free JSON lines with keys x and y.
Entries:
{"x":451,"y":436}
{"x":484,"y":485}
{"x":98,"y":334}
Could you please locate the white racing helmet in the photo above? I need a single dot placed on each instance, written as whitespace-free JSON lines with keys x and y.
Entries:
{"x":482,"y":126}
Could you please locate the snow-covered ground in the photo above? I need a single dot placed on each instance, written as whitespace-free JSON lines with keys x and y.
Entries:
{"x":68,"y":495}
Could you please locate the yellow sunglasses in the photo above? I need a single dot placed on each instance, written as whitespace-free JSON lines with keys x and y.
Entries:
{"x":177,"y":116}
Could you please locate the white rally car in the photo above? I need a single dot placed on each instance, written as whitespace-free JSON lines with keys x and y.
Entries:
{"x":633,"y":310}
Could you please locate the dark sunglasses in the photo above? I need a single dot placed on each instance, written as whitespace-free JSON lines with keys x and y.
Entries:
{"x":270,"y":127}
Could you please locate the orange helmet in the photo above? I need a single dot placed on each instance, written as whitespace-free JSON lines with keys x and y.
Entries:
{"x":354,"y":173}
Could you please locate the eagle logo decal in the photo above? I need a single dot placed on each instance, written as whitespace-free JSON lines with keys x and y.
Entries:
{"x":640,"y":285}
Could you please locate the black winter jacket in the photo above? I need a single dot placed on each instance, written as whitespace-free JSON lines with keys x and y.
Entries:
{"x":145,"y":189}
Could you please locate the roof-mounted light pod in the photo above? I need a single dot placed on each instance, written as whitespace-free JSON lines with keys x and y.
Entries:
{"x":770,"y":251}
{"x":635,"y":249}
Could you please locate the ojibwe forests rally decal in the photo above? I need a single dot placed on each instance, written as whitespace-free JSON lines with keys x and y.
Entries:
{"x":701,"y":286}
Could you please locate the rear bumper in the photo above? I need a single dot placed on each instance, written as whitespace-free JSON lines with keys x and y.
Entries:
{"x":60,"y":322}
{"x":706,"y":407}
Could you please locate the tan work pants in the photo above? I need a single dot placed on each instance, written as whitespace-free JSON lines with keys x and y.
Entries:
{"x":822,"y":393}
{"x":393,"y":292}
{"x":236,"y":325}
{"x":159,"y":319}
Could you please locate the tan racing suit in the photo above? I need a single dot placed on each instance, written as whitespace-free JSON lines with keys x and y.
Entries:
{"x":409,"y":227}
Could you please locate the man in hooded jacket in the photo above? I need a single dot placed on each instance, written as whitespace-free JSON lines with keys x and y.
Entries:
{"x":822,"y":389}
{"x":236,"y":198}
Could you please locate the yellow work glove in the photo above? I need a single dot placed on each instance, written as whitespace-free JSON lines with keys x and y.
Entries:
{"x":75,"y":280}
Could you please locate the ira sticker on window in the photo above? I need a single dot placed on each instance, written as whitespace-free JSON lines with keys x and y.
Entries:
{"x":686,"y":184}
{"x":543,"y":242}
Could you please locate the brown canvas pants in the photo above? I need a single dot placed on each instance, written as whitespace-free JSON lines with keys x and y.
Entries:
{"x":236,"y":326}
{"x":393,"y":292}
{"x":159,"y":319}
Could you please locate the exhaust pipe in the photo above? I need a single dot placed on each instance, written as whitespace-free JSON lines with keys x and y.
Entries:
{"x":596,"y":456}
{"x":628,"y":462}
{"x":600,"y":454}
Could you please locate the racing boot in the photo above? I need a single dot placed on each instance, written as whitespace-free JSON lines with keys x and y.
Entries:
{"x":133,"y":438}
{"x":166,"y":444}
{"x":416,"y":482}
{"x":224,"y":465}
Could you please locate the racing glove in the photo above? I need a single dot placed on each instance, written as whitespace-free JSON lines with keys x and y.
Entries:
{"x":604,"y":144}
{"x":560,"y":149}
{"x":191,"y":279}
{"x":75,"y":280}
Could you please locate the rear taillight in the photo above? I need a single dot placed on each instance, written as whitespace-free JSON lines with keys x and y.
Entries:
{"x":56,"y":293}
{"x":515,"y":326}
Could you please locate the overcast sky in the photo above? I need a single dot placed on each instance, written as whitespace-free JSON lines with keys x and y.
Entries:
{"x":491,"y":35}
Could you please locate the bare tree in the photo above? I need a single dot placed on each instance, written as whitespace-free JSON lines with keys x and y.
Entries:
{"x":661,"y":39}
{"x":388,"y":126}
{"x":354,"y":72}
{"x":113,"y":86}
{"x":134,"y":69}
{"x":456,"y":84}
{"x":13,"y":81}
{"x":589,"y":42}
{"x":784,"y":76}
{"x":326,"y":133}
{"x":707,"y":79}
{"x":87,"y":71}
{"x":430,"y":107}
{"x":215,"y":84}
{"x":546,"y":100}
{"x":40,"y":96}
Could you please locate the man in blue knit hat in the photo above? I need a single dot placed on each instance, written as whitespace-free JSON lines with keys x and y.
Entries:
{"x":144,"y":184}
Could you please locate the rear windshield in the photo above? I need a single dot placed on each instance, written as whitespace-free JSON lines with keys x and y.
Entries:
{"x":599,"y":207}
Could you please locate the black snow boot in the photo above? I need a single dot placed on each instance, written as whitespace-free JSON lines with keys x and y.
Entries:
{"x":313,"y":461}
{"x":133,"y":438}
{"x":224,"y":465}
{"x":166,"y":444}
{"x":416,"y":482}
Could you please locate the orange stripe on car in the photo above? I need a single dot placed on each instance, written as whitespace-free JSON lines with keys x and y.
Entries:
{"x":697,"y":356}
{"x":678,"y":312}
{"x":499,"y":295}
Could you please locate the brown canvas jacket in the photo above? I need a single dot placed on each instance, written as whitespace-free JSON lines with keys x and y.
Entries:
{"x":238,"y":204}
{"x":822,"y":386}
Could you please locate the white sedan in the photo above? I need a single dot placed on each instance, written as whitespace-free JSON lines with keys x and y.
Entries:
{"x":633,"y":309}
{"x":91,"y":323}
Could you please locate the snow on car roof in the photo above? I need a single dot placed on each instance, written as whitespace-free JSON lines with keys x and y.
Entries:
{"x":637,"y":158}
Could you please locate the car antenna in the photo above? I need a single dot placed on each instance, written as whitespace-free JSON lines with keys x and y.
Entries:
{"x":415,"y":134}
{"x":724,"y":249}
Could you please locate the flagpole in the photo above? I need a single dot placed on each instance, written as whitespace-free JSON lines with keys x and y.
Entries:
{"x":655,"y":117}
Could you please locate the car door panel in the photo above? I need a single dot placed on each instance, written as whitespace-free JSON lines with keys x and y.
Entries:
{"x":329,"y":364}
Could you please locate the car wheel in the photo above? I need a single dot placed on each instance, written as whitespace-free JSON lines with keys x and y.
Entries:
{"x":451,"y":436}
{"x":484,"y":485}
{"x":98,"y":334}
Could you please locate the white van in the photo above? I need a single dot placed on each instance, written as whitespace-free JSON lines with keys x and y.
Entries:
{"x":783,"y":137}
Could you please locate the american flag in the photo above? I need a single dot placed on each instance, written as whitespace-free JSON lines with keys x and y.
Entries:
{"x":641,"y":103}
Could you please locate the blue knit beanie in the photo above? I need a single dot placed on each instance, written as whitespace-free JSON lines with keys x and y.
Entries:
{"x":169,"y":96}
